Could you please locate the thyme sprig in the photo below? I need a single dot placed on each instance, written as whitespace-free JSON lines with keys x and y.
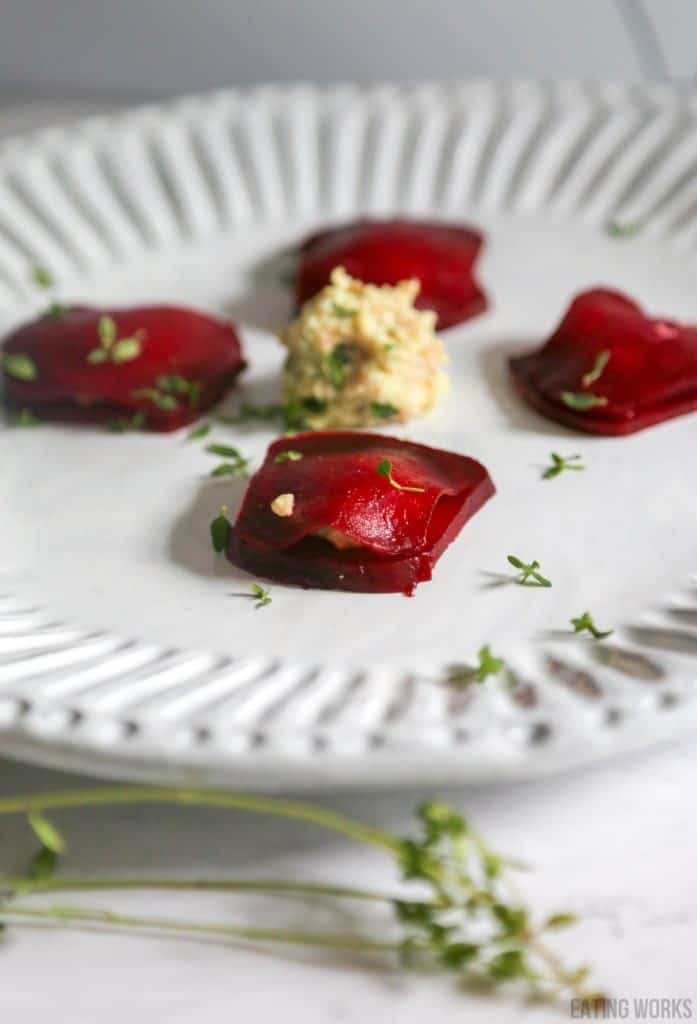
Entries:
{"x":560,"y":463}
{"x":586,"y":623}
{"x":530,"y":576}
{"x":489,"y":666}
{"x":464,"y":918}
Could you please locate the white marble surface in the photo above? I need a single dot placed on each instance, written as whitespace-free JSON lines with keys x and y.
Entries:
{"x":617,"y":844}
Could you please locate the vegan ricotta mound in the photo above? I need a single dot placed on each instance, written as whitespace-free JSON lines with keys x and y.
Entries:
{"x":360,"y":355}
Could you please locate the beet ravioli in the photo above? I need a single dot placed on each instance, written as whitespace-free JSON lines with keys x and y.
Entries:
{"x":610,"y":369}
{"x":348,"y":511}
{"x":440,"y":256}
{"x":157,"y":366}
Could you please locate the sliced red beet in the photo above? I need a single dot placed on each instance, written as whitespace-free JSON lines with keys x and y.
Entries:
{"x":440,"y":256}
{"x":336,"y":486}
{"x":161,"y":363}
{"x":610,"y":369}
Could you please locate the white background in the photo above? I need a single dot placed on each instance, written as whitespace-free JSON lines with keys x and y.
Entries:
{"x":136,"y":47}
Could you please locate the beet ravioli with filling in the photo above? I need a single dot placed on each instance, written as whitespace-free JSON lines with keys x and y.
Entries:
{"x":441,"y":257}
{"x":161,"y":366}
{"x":611,"y":369}
{"x":362,"y":512}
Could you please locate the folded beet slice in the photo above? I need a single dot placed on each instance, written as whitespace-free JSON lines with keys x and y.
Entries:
{"x":159,"y":366}
{"x":348,"y":511}
{"x":610,"y":369}
{"x":440,"y":256}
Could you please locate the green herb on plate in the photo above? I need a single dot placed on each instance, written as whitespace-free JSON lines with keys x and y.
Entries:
{"x":489,"y":666}
{"x":560,"y":463}
{"x":220,"y":530}
{"x":585,"y":623}
{"x":581,"y":401}
{"x":530,"y":576}
{"x":383,"y":410}
{"x":385,"y":470}
{"x":601,"y":361}
{"x":260,"y":595}
{"x":19,"y":366}
{"x":289,"y":455}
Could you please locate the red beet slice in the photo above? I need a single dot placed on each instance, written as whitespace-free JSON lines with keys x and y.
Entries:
{"x":163,"y":363}
{"x":336,"y":485}
{"x":440,"y":256}
{"x":610,"y":369}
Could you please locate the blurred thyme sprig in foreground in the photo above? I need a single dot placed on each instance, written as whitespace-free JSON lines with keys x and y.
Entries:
{"x":466,"y":918}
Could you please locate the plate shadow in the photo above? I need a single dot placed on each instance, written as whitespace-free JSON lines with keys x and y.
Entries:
{"x":494,"y":364}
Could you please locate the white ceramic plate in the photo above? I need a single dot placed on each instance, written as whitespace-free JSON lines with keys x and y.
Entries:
{"x":126,"y":648}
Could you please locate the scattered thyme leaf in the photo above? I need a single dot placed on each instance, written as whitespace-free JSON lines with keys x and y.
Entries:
{"x":168,"y":403}
{"x":106,"y":329}
{"x":126,"y":350}
{"x":238,"y":468}
{"x":56,"y":310}
{"x":385,"y":470}
{"x":336,"y":364}
{"x":530,"y":575}
{"x":220,"y":530}
{"x":19,"y":366}
{"x":225,"y":451}
{"x":42,"y":277}
{"x":617,"y":229}
{"x":582,"y":402}
{"x":383,"y":410}
{"x":489,"y":665}
{"x":585,"y":623}
{"x":202,"y":430}
{"x":289,"y":455}
{"x":47,"y":834}
{"x":560,"y":463}
{"x":27,"y":418}
{"x":601,"y":361}
{"x":260,"y":595}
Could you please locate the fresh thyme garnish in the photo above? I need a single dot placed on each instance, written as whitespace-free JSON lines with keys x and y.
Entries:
{"x":385,"y":469}
{"x":111,"y":348}
{"x":289,"y":455}
{"x":335,"y":365}
{"x":342,"y":311}
{"x":297,"y":409}
{"x":383,"y":410}
{"x":601,"y":361}
{"x":560,"y":463}
{"x":238,"y":468}
{"x":202,"y":430}
{"x":220,"y":530}
{"x":616,"y":229}
{"x":122,"y":424}
{"x":19,"y":366}
{"x":464,"y":916}
{"x":168,"y":391}
{"x":260,"y":594}
{"x":27,"y":418}
{"x":585,"y":622}
{"x":235,"y":464}
{"x":489,"y":665}
{"x":581,"y":401}
{"x":530,"y":575}
{"x":42,"y":277}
